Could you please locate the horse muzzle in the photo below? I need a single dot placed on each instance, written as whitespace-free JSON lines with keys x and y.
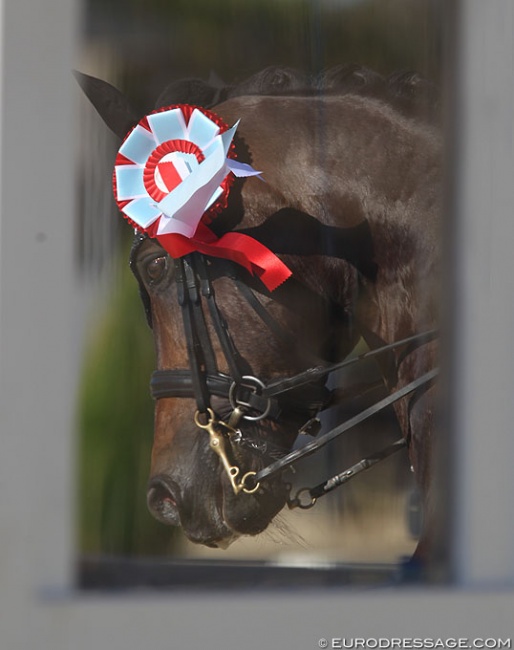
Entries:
{"x":201,"y":525}
{"x":210,"y":512}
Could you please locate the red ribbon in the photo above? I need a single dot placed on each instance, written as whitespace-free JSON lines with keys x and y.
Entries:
{"x":234,"y":246}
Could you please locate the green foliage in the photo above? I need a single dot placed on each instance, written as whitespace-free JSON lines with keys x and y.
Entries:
{"x":116,"y":425}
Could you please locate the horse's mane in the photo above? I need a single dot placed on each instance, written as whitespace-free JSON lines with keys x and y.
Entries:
{"x":408,"y":92}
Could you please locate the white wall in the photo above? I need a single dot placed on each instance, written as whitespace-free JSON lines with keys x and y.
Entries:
{"x":39,"y":357}
{"x":484,"y":294}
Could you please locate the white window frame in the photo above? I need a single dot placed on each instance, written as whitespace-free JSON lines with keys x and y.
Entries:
{"x":40,"y":345}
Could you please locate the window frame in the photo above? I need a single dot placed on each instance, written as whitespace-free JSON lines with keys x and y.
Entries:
{"x":41,"y":316}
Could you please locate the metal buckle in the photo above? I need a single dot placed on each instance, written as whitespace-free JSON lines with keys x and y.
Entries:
{"x":255,"y":386}
{"x":298,"y":500}
{"x":216,"y":429}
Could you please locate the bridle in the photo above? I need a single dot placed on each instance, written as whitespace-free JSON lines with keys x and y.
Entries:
{"x":248,"y":395}
{"x":302,"y":395}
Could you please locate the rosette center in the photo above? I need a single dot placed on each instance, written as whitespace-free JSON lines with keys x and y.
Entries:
{"x":168,"y":165}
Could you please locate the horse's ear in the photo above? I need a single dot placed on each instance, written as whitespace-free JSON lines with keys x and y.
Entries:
{"x":111,"y":104}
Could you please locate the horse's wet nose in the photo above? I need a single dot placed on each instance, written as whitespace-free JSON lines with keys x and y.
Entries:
{"x":163,"y":500}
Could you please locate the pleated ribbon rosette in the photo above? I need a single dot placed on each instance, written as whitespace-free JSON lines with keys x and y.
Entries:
{"x":173,"y":174}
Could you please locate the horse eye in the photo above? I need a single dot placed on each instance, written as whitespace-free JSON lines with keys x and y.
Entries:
{"x":156,"y":269}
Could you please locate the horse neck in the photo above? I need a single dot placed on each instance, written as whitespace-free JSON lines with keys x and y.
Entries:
{"x":403,"y":300}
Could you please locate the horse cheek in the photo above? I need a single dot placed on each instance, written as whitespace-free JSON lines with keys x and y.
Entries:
{"x":165,"y":431}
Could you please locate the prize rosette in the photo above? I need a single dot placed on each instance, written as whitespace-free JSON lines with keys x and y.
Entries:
{"x":173,"y":174}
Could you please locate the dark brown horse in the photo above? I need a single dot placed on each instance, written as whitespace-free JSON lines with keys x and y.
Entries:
{"x":351,"y":203}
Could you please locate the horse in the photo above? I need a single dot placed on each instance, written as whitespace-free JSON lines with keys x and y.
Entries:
{"x":351,"y":204}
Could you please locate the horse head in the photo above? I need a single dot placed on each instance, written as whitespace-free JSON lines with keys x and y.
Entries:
{"x":226,"y":343}
{"x":211,"y":316}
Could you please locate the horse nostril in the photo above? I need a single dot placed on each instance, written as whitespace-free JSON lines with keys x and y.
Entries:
{"x":162,"y":500}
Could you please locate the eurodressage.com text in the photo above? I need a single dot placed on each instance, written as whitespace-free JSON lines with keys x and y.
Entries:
{"x":414,"y":643}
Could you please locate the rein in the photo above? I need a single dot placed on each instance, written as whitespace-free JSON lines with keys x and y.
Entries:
{"x":362,"y":465}
{"x":253,"y":400}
